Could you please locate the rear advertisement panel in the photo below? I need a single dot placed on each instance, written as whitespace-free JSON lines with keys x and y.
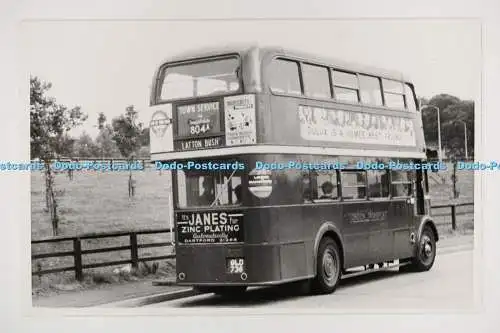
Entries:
{"x":333,"y":125}
{"x":214,"y":227}
{"x":224,"y":121}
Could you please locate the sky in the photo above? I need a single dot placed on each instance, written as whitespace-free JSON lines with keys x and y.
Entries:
{"x":104,"y":66}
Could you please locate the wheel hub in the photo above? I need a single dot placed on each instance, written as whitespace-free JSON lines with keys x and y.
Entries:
{"x":427,"y":249}
{"x":329,"y":266}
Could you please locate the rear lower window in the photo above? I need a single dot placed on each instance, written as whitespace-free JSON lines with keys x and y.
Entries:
{"x":209,"y":188}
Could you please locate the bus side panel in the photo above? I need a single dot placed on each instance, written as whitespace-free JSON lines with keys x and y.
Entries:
{"x":285,"y":121}
{"x":313,"y":218}
{"x":356,"y":235}
{"x":401,"y":220}
{"x":293,"y":255}
{"x":263,"y":117}
{"x":261,"y":227}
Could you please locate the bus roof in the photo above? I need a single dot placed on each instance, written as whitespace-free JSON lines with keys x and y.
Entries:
{"x":270,"y":50}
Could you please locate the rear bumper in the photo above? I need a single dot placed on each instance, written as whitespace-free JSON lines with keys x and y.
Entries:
{"x":264,"y":264}
{"x":248,"y":284}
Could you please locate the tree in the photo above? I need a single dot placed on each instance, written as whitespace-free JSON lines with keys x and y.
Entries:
{"x":66,"y":145}
{"x":101,"y":120}
{"x":104,"y":140}
{"x":105,"y":143}
{"x":452,"y":111}
{"x":455,"y":116}
{"x":86,"y":147}
{"x":127,"y":135}
{"x":49,"y":125}
{"x":126,"y":132}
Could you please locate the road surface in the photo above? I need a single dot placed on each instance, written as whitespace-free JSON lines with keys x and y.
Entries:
{"x":447,"y":286}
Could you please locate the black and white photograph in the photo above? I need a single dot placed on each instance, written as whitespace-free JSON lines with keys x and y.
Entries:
{"x":281,"y":164}
{"x":194,"y":166}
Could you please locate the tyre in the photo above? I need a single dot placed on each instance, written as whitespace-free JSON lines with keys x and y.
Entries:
{"x":425,"y":254}
{"x":328,"y":267}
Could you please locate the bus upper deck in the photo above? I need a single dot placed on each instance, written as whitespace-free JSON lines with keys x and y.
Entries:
{"x":281,"y":100}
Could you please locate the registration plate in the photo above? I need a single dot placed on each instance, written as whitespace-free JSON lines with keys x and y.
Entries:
{"x":235,"y":265}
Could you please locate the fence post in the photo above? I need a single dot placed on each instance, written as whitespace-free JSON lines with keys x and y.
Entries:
{"x":134,"y":253}
{"x":453,"y":217}
{"x":454,"y":179}
{"x":77,"y":255}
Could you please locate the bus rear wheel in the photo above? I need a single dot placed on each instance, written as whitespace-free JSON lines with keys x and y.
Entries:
{"x":425,"y":254}
{"x":328,"y":267}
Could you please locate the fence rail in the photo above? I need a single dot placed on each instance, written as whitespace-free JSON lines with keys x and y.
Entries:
{"x":453,"y":212}
{"x":77,"y":253}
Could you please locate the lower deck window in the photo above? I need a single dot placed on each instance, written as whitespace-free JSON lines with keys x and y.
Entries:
{"x":353,"y":184}
{"x":378,"y":183}
{"x":401,"y":183}
{"x":322,"y":185}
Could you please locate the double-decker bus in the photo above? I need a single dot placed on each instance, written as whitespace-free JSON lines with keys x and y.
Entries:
{"x":288,"y":166}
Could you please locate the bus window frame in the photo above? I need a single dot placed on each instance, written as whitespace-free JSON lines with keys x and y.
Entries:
{"x":402,"y":94}
{"x":341,"y":195}
{"x":175,"y":187}
{"x":314,"y":185}
{"x":379,"y":81}
{"x":333,"y":99}
{"x":329,"y":75}
{"x":161,"y":75}
{"x":333,"y":86}
{"x":409,"y":85}
{"x":411,"y":182}
{"x":389,"y":196}
{"x":301,"y":80}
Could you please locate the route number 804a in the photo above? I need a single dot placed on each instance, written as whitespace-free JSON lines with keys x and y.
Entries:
{"x":197,"y":129}
{"x":235,"y":265}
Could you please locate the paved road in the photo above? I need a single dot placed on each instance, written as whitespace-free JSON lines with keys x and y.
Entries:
{"x":448,"y":286}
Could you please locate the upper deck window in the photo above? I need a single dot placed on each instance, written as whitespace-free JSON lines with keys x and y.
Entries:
{"x":284,"y":77}
{"x":410,"y":98}
{"x":370,"y":90}
{"x":394,"y":94}
{"x":316,"y":81}
{"x":199,"y":79}
{"x":345,"y":86}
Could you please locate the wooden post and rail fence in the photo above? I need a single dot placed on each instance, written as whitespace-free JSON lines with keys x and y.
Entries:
{"x":77,"y":253}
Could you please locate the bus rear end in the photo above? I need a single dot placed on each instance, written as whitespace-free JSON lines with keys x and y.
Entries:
{"x":201,"y":104}
{"x":222,"y":238}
